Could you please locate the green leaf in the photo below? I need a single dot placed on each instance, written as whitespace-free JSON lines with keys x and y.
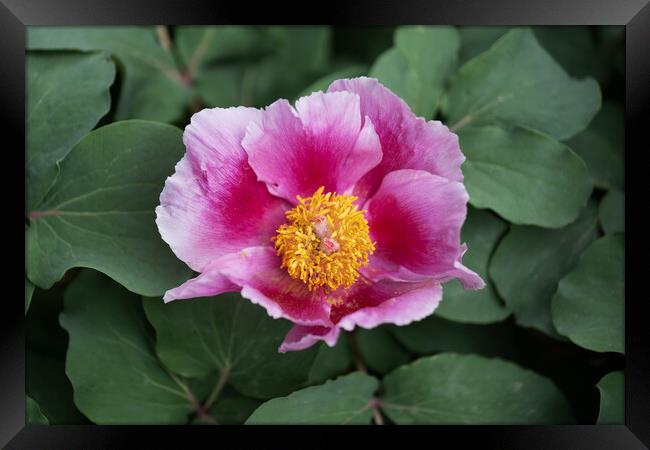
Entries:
{"x":529,"y":263}
{"x":116,"y":376}
{"x":231,"y":408}
{"x":201,"y":45}
{"x":228,"y":333}
{"x":612,"y":212}
{"x":29,"y":291}
{"x":481,"y":232}
{"x":516,"y":82}
{"x":612,"y":399}
{"x":351,"y":71}
{"x":525,"y":176}
{"x":469,"y":389}
{"x":33,"y":414}
{"x":331,"y":362}
{"x":418,"y":65}
{"x":47,"y":383}
{"x":476,"y":40}
{"x":100,"y":212}
{"x":67,"y":94}
{"x":433,"y":335}
{"x":344,"y":401}
{"x":379,"y":350}
{"x":590,"y":302}
{"x":152,"y":87}
{"x":604,"y":162}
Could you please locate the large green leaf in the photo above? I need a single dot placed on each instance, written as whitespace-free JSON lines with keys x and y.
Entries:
{"x":33,"y":413}
{"x":612,"y":399}
{"x":152,"y":87}
{"x":231,"y":408}
{"x":529,"y":263}
{"x":590,"y":303}
{"x":116,"y":376}
{"x":418,"y":65}
{"x":67,"y":94}
{"x":100,"y":212}
{"x":345,"y":400}
{"x":527,"y":177}
{"x":612,"y":212}
{"x":516,"y":82}
{"x":233,"y":336}
{"x":469,"y":389}
{"x":481,"y":232}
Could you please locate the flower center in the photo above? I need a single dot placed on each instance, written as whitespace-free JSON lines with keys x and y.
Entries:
{"x":325,"y":240}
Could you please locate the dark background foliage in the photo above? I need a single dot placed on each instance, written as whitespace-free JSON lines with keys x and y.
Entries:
{"x":540,"y":116}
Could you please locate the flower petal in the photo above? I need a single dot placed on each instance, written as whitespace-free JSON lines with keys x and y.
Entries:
{"x":208,"y":283}
{"x":407,"y":141}
{"x":257,"y":270}
{"x":213,"y":204}
{"x":371,"y":304}
{"x":415,"y":218}
{"x":301,"y":337}
{"x":323,"y":143}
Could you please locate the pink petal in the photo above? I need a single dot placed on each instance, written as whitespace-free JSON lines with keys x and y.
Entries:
{"x":415,"y":218}
{"x":301,"y":337}
{"x":210,"y":282}
{"x":371,"y":304}
{"x":323,"y":143}
{"x":213,"y":204}
{"x":407,"y":141}
{"x":257,"y":270}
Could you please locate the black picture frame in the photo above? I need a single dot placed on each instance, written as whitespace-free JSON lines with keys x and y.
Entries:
{"x":15,"y":15}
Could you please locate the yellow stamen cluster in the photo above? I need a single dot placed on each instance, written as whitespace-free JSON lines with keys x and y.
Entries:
{"x":325,"y":240}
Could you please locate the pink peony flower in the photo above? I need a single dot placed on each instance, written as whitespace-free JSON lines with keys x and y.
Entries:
{"x":345,"y":211}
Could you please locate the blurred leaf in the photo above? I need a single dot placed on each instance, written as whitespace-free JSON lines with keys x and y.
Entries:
{"x":380,"y":352}
{"x":33,"y":414}
{"x":527,"y":177}
{"x":363,"y":44}
{"x":589,"y":304}
{"x":152,"y":87}
{"x":116,"y":376}
{"x":612,"y":399}
{"x":67,"y":94}
{"x":100,"y":212}
{"x":223,"y":86}
{"x":418,"y":65}
{"x":201,"y":45}
{"x":573,"y":47}
{"x":516,"y":82}
{"x":331,"y":361}
{"x":476,"y":40}
{"x":344,"y":401}
{"x":529,"y":262}
{"x":602,"y":146}
{"x":228,"y":333}
{"x":351,"y":71}
{"x":433,"y":335}
{"x":29,"y":291}
{"x":47,"y":383}
{"x":481,"y":232}
{"x":604,"y":162}
{"x":612,"y":212}
{"x":470,"y":389}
